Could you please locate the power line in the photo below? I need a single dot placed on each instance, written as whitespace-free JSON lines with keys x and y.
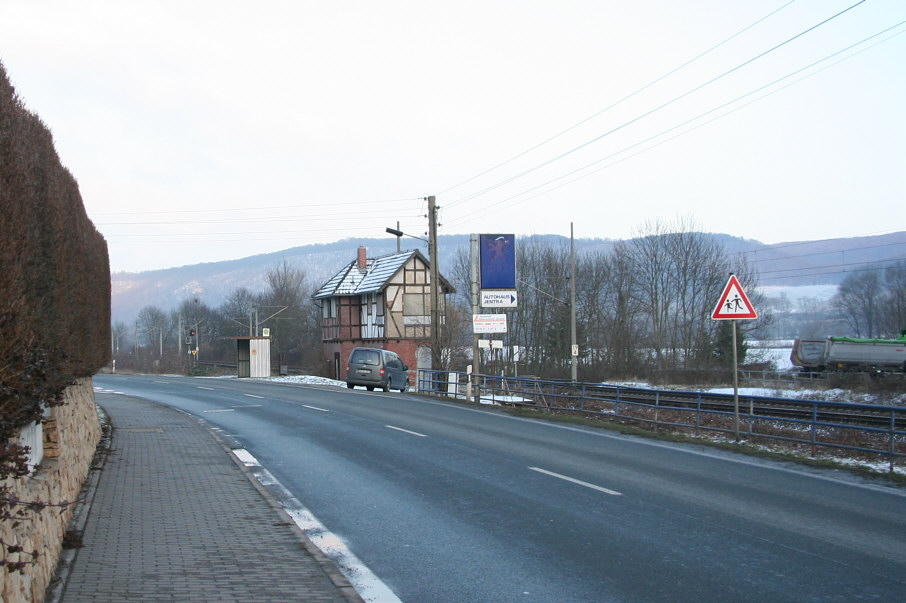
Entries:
{"x":253,"y":208}
{"x":652,"y":111}
{"x":488,"y":207}
{"x":196,"y":236}
{"x":332,"y":216}
{"x":615,"y":104}
{"x":834,"y":269}
{"x":817,"y":253}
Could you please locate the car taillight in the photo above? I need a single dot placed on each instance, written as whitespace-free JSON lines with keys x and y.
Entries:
{"x":347,"y":368}
{"x":382,"y":372}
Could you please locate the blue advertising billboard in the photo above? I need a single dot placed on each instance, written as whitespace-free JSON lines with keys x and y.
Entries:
{"x":497,"y":261}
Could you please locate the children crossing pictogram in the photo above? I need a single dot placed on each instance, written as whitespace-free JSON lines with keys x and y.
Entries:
{"x":733,"y":304}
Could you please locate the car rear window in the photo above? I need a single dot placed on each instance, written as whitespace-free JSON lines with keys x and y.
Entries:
{"x":372,"y":357}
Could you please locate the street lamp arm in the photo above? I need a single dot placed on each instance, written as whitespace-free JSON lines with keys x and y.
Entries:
{"x":400,"y":233}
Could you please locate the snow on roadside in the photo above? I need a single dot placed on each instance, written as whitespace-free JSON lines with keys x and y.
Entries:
{"x":306,"y":380}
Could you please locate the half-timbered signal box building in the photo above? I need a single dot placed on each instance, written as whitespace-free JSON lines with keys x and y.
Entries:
{"x":380,"y":302}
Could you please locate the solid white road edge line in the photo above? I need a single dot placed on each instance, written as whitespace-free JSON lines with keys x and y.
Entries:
{"x":577,"y":481}
{"x":366,"y":583}
{"x":415,"y":433}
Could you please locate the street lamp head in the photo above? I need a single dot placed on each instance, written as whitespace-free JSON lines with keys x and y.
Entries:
{"x":395,"y":232}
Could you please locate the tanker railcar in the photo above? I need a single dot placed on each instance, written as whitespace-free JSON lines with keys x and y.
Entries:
{"x":850,"y":354}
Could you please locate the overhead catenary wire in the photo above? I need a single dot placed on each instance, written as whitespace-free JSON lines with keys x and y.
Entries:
{"x":616,"y":103}
{"x":654,"y":110}
{"x":488,"y":207}
{"x":253,"y":208}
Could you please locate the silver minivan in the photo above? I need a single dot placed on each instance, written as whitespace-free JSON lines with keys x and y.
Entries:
{"x":373,"y":367}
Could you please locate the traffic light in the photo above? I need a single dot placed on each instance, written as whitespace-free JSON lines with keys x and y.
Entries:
{"x":191,"y":332}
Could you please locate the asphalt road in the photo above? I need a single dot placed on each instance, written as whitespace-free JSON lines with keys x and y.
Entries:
{"x":447,"y":502}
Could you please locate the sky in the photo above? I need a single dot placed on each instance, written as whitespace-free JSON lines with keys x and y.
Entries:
{"x":204,"y":131}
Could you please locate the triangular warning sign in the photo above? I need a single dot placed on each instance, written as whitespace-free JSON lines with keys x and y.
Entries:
{"x":733,"y":304}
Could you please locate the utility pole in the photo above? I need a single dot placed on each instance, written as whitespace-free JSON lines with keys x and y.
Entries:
{"x":476,"y":353}
{"x":572,"y":306}
{"x":435,"y":284}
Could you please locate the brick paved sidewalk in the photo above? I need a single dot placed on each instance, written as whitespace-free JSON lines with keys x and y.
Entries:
{"x":173,"y":517}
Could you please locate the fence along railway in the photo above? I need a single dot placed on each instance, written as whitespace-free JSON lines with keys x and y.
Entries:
{"x":872,"y":431}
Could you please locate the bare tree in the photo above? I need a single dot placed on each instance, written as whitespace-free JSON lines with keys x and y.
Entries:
{"x":286,"y":310}
{"x":857,"y":302}
{"x":893,"y":307}
{"x":119,"y":333}
{"x":612,"y":319}
{"x":236,"y":312}
{"x":153,"y":326}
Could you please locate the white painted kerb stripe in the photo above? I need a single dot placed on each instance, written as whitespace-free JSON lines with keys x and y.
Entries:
{"x":415,"y":433}
{"x":577,"y":481}
{"x":366,"y":583}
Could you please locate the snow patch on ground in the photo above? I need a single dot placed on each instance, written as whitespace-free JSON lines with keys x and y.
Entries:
{"x":306,"y":380}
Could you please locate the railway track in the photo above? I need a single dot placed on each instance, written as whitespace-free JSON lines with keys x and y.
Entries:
{"x":607,"y":398}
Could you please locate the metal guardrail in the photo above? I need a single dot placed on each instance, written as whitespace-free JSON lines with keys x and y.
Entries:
{"x":876,"y":430}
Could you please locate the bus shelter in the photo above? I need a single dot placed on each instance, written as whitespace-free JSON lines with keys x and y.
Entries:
{"x":253,"y":356}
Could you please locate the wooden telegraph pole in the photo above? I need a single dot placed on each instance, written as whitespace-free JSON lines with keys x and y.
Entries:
{"x":435,"y":284}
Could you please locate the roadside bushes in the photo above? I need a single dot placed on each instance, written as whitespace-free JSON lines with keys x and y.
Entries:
{"x":54,"y":278}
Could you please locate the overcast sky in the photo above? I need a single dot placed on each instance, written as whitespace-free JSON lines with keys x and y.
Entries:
{"x":209,"y":130}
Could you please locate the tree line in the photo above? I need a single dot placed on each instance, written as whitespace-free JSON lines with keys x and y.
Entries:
{"x":156,"y":338}
{"x":643,"y":310}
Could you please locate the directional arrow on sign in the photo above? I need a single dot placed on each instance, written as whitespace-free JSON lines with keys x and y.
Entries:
{"x":499,"y":299}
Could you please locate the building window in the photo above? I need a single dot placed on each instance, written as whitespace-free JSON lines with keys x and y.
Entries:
{"x":329,"y":308}
{"x":414,"y":304}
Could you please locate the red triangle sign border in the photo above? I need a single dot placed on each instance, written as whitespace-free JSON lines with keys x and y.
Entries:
{"x":723,"y":310}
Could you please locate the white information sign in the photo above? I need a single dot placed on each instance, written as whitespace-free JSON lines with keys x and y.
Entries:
{"x":489,"y":323}
{"x":491,"y":298}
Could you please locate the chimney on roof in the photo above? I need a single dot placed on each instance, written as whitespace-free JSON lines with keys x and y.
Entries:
{"x":362,"y":258}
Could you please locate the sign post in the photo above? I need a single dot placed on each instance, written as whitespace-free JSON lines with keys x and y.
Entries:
{"x":734,"y":305}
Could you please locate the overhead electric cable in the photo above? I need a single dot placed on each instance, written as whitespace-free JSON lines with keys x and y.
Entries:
{"x":615,"y":104}
{"x":252,"y":208}
{"x":654,"y":110}
{"x":490,"y":206}
{"x":248,"y":220}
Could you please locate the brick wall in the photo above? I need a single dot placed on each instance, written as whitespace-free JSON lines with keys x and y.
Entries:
{"x":71,"y":435}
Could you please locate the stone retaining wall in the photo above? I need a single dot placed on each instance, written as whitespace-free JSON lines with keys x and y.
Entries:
{"x":71,"y":435}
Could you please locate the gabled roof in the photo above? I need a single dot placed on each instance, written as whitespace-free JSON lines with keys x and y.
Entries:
{"x":377,"y":273}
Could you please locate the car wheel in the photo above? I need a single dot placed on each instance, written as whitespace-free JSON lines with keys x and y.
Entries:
{"x":405,"y":387}
{"x":350,"y":385}
{"x":369,"y":388}
{"x":387,"y":385}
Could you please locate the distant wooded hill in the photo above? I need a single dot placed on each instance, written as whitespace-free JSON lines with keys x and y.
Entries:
{"x":791,"y":264}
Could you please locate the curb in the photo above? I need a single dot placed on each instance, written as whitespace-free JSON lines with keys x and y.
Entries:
{"x":57,"y":587}
{"x":330,"y":568}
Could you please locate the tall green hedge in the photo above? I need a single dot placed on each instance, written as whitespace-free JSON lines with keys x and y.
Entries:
{"x":54,"y":273}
